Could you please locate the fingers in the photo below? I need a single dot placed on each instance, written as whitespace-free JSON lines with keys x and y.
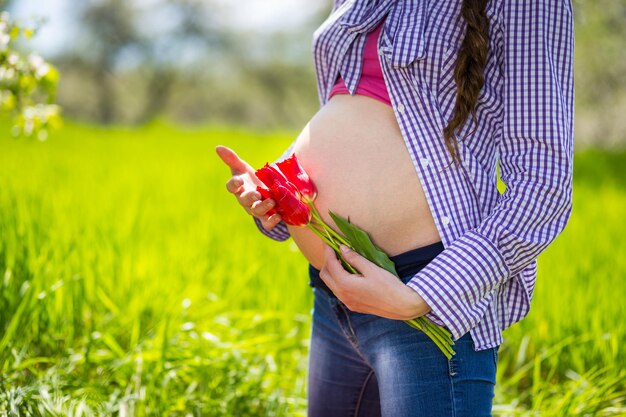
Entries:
{"x":230,"y":158}
{"x":328,"y":279}
{"x":356,"y":260}
{"x":251,"y":201}
{"x":260,"y":208}
{"x":243,"y":185}
{"x":271,"y":222}
{"x":332,"y":264}
{"x":234,"y":184}
{"x":248,"y":198}
{"x":334,"y":274}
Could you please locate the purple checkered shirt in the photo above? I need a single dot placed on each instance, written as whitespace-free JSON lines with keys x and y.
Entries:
{"x":483,"y":281}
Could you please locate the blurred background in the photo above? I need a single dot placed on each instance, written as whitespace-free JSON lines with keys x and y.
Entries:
{"x":249,"y":62}
{"x":190,"y":61}
{"x":132,"y":283}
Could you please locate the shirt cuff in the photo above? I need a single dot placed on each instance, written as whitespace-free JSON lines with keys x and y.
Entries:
{"x":279,"y":232}
{"x":458,"y":283}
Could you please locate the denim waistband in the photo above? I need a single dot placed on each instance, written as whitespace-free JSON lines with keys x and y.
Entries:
{"x":407,"y":264}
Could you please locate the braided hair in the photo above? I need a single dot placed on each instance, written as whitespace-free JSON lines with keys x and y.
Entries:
{"x":468,"y":71}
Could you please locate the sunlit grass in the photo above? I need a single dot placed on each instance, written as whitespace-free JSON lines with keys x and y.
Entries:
{"x":132,"y":283}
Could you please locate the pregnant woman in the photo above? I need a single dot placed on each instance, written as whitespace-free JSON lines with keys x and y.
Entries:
{"x":419,"y":101}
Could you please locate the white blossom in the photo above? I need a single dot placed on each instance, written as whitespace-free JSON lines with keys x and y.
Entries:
{"x":4,"y":41}
{"x":13,"y":59}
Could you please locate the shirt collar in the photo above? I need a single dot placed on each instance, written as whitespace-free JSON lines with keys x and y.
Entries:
{"x":404,"y":25}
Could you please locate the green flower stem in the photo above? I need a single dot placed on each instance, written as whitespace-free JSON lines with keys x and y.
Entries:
{"x":440,"y":333}
{"x":443,"y":345}
{"x":323,"y":236}
{"x":324,"y":228}
{"x":438,"y":338}
{"x":318,"y":217}
{"x":432,"y":327}
{"x":331,"y":231}
{"x":348,"y":266}
{"x":443,"y":332}
{"x":328,"y":239}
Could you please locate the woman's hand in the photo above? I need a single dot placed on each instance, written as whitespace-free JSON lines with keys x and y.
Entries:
{"x":243,"y":185}
{"x":374,"y":291}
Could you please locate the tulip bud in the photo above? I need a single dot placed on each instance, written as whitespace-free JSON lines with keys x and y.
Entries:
{"x":272,"y":178}
{"x":291,"y":188}
{"x":295,"y":174}
{"x":265,"y":194}
{"x":291,"y":209}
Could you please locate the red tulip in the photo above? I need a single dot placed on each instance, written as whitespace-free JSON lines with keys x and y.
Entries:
{"x":295,"y":174}
{"x":288,"y":204}
{"x":288,"y":186}
{"x":291,"y":209}
{"x":272,"y":178}
{"x":265,"y":194}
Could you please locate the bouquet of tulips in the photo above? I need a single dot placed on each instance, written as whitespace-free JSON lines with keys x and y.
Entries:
{"x":293,"y":191}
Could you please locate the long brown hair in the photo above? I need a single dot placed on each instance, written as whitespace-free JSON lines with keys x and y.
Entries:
{"x":468,"y":71}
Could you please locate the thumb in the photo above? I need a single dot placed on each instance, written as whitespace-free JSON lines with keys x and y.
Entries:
{"x":230,"y":158}
{"x":356,"y":260}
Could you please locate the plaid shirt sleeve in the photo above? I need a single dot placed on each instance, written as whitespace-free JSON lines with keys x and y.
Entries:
{"x":536,"y":162}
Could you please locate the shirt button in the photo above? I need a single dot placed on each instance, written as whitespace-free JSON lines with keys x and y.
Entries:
{"x":381,"y":52}
{"x":400,"y":108}
{"x":445,"y":220}
{"x":424,"y":162}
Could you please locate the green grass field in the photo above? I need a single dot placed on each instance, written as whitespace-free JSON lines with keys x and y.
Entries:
{"x":132,"y":284}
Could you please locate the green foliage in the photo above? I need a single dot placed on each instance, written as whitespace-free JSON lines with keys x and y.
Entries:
{"x":362,"y":243}
{"x":132,"y":284}
{"x":27,"y":84}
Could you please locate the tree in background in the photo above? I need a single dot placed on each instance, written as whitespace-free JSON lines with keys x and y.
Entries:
{"x":111,"y":30}
{"x":135,"y":52}
{"x":599,"y":67}
{"x":133,"y":60}
{"x":27,"y":84}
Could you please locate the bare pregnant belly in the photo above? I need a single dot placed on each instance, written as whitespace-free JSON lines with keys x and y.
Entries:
{"x":354,"y":151}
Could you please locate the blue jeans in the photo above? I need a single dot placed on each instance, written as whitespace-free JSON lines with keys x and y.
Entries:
{"x":363,"y":365}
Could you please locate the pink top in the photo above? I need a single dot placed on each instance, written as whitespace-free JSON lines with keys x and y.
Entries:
{"x":371,"y":83}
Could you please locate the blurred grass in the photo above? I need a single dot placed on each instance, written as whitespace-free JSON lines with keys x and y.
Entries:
{"x":133,"y":284}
